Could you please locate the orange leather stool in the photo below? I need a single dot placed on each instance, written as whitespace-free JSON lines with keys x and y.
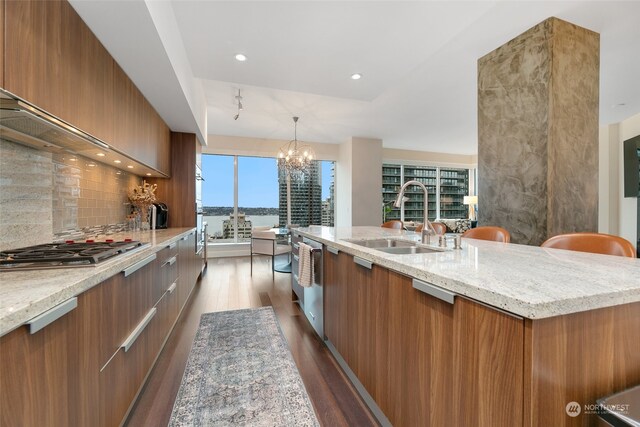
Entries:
{"x":596,"y":243}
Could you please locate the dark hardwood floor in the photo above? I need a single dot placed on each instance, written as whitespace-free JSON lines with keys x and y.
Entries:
{"x":227,"y":285}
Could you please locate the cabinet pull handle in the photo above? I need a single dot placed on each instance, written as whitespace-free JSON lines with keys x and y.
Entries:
{"x":296,"y":257}
{"x":333,"y":250}
{"x":51,"y":315}
{"x":363,"y":262}
{"x":434,"y":291}
{"x":138,"y":265}
{"x":312,"y":316}
{"x":295,"y":278}
{"x":138,"y":330}
{"x":172,"y":287}
{"x":171,"y":246}
{"x":296,"y":246}
{"x":170,"y":261}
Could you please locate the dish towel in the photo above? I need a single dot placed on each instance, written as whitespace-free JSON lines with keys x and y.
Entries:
{"x":305,"y":265}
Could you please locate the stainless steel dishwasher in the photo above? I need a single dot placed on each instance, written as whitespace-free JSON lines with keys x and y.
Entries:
{"x":312,"y":301}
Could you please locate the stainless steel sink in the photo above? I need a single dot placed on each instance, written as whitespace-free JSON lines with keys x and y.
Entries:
{"x":407,"y":250}
{"x":394,"y":246}
{"x":384,"y":243}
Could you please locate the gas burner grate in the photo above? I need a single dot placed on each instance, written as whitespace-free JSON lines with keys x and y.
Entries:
{"x":60,"y":255}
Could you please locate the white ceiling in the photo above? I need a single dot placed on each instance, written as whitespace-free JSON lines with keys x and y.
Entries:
{"x":418,"y":60}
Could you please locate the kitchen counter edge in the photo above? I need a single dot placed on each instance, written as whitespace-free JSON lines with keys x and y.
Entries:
{"x":27,"y":294}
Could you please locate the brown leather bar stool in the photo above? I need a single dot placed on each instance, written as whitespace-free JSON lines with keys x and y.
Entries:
{"x":493,"y":233}
{"x":440,"y":228}
{"x":597,"y":243}
{"x":395,"y":224}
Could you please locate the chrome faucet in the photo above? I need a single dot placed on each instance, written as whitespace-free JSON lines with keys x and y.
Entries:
{"x":427,"y":228}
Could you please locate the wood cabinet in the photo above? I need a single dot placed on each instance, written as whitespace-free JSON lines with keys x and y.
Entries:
{"x":53,"y":60}
{"x":189,"y":267}
{"x":424,"y":361}
{"x":179,"y":191}
{"x":431,"y":360}
{"x":75,"y":371}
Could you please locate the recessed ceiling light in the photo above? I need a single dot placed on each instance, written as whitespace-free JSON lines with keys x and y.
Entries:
{"x":356,"y":76}
{"x":117,"y":161}
{"x":73,"y":159}
{"x":100,"y":154}
{"x":240,"y":57}
{"x":148,"y":174}
{"x":130,"y":167}
{"x":91,"y":165}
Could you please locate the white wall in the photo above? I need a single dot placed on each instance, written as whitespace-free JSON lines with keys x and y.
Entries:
{"x":617,"y":214}
{"x":366,"y":181}
{"x":262,"y":147}
{"x":343,"y":186}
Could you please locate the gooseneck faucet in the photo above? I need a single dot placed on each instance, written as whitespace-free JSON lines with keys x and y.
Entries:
{"x":427,"y":228}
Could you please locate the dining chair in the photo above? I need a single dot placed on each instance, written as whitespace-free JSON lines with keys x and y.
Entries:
{"x":597,"y":243}
{"x":440,"y":228}
{"x":492,"y":233}
{"x":395,"y":224}
{"x":264,"y":243}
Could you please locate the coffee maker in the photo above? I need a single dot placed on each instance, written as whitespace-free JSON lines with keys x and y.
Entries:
{"x":162,"y":215}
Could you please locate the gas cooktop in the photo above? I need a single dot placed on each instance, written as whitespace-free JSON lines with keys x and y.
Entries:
{"x":63,"y":255}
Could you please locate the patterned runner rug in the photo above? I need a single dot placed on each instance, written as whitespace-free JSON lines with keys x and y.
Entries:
{"x":240,"y":373}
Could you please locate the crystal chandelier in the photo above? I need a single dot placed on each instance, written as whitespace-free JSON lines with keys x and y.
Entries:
{"x":294,"y":158}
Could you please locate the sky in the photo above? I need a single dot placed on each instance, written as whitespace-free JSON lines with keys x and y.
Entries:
{"x":257,"y":181}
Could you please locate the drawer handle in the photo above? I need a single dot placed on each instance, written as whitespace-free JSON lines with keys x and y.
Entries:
{"x":51,"y":315}
{"x":434,"y":291}
{"x":333,"y":250}
{"x":171,"y":246}
{"x":138,"y":265}
{"x":171,"y":260}
{"x":296,"y":258}
{"x":138,"y":330}
{"x":363,"y":262}
{"x":312,"y":316}
{"x":295,"y":278}
{"x":296,"y":246}
{"x":172,"y":287}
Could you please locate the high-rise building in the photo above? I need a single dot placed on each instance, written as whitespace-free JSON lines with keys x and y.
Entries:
{"x":446,"y":188}
{"x":328,"y":204}
{"x":244,"y":227}
{"x":306,"y":197}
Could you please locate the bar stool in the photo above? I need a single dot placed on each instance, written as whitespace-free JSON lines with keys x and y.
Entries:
{"x":440,"y":228}
{"x":492,"y":233}
{"x":395,"y":224}
{"x":597,"y":243}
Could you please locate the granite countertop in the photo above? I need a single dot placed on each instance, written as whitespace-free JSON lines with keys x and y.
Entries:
{"x":26,"y":294}
{"x":529,"y":281}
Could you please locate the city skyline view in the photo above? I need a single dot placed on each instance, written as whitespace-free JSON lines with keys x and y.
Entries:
{"x":257,"y":181}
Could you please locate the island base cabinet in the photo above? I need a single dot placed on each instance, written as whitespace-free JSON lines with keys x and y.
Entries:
{"x":580,"y":358}
{"x":454,"y":363}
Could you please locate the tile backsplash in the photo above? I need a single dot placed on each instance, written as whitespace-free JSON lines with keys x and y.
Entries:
{"x":44,"y":194}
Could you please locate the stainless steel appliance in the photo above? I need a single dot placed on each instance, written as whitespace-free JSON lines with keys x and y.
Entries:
{"x":311,"y":299}
{"x":162,"y":215}
{"x":63,"y":255}
{"x":26,"y":124}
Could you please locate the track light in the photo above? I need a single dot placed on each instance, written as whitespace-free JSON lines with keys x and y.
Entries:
{"x":240,"y":108}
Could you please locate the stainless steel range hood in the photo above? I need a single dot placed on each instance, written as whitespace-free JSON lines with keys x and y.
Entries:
{"x":26,"y":124}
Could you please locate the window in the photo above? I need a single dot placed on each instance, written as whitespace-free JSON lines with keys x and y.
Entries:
{"x":245,"y":192}
{"x":446,"y":189}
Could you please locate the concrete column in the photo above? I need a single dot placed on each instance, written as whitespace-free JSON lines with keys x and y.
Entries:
{"x":359,"y":183}
{"x":538,"y":99}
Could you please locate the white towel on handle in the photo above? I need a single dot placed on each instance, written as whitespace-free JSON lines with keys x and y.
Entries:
{"x":305,"y":265}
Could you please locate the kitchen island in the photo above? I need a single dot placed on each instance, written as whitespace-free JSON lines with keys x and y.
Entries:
{"x":77,"y":343}
{"x":492,"y":334}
